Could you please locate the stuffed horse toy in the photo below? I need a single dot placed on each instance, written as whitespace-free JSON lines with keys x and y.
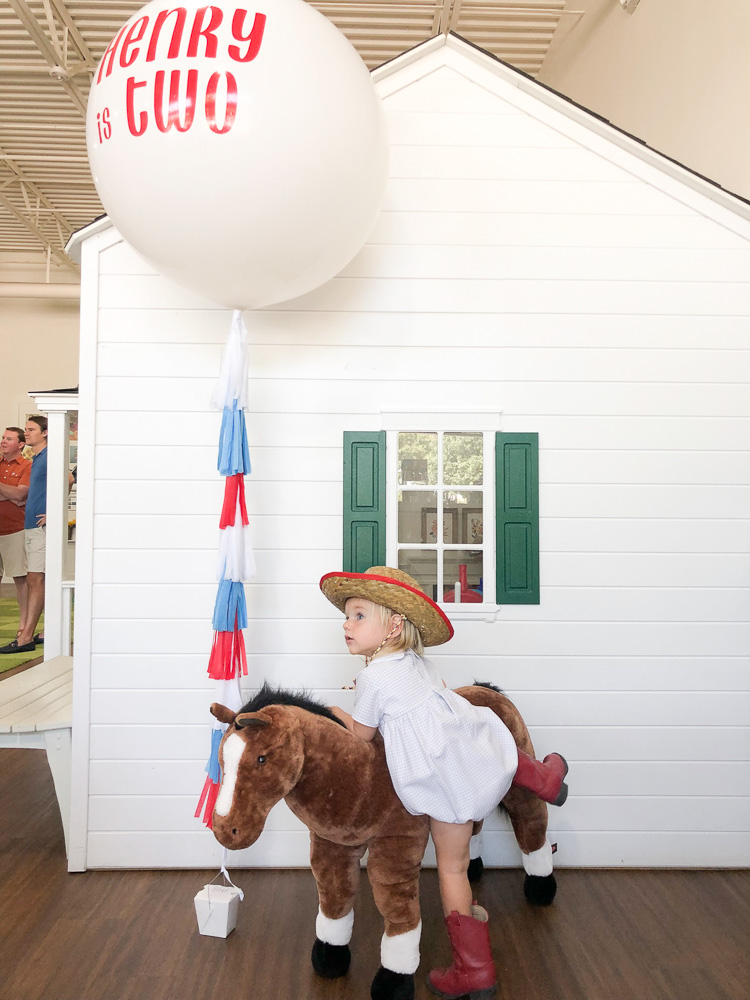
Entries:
{"x":287,"y":746}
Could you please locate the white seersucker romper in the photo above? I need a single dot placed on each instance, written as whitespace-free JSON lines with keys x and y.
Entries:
{"x":446,"y":757}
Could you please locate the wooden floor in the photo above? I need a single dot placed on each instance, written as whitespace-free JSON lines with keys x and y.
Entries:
{"x":610,"y":935}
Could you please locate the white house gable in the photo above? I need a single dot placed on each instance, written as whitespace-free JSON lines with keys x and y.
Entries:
{"x":530,"y":263}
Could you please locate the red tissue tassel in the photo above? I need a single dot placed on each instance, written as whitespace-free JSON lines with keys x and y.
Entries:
{"x":209,"y":795}
{"x":234,"y":492}
{"x":228,"y":658}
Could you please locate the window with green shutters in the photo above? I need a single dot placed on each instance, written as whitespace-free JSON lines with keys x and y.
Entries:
{"x":461,"y":508}
{"x":517,"y":518}
{"x":364,"y":500}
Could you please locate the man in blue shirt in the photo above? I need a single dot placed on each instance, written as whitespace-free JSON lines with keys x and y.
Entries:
{"x":34,"y":536}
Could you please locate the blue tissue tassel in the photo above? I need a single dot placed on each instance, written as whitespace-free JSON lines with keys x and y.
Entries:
{"x":234,"y":454}
{"x":212,"y":767}
{"x":230,"y":605}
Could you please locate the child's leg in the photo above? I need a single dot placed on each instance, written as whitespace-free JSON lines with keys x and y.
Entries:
{"x":543,"y":777}
{"x":451,"y":842}
{"x":472,"y":970}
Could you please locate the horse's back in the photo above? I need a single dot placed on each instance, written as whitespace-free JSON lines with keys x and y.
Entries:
{"x":502,"y":706}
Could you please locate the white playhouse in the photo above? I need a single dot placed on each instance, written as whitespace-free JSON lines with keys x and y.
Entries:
{"x":530,"y":390}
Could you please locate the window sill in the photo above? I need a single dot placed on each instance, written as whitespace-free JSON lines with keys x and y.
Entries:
{"x":472,"y":612}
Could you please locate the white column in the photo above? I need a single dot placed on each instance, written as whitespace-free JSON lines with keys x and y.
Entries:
{"x":58,"y":431}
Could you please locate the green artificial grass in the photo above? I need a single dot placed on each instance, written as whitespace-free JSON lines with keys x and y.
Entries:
{"x":8,"y":628}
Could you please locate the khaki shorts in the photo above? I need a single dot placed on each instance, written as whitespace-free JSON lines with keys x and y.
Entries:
{"x":13,"y":554}
{"x":36,"y":543}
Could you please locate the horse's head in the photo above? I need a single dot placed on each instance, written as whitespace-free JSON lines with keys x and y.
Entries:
{"x":261,"y":757}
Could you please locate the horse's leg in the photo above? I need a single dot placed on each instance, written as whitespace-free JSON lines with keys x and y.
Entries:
{"x":476,"y":865}
{"x":528,"y":815}
{"x":393,"y":868}
{"x":336,"y":871}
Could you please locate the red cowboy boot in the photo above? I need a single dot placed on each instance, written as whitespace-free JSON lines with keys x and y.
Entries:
{"x":473,"y":970}
{"x":543,"y":778}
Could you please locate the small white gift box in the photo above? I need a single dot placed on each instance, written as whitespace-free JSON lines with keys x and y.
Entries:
{"x":216,"y":909}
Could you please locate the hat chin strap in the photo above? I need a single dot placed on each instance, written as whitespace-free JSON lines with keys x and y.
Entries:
{"x":369,"y":659}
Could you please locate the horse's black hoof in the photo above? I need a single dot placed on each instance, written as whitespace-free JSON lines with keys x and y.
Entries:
{"x":330,"y":960}
{"x":388,"y":985}
{"x":540,"y":889}
{"x":475,"y":869}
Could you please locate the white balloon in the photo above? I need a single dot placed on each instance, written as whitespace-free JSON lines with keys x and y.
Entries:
{"x":243,"y":152}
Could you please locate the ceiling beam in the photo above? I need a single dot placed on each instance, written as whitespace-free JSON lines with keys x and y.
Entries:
{"x":64,"y":14}
{"x":56,"y":252}
{"x":64,"y":228}
{"x":37,"y":192}
{"x":53,"y":57}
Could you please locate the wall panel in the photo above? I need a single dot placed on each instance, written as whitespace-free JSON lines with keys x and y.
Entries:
{"x":514,"y":269}
{"x":607,"y":229}
{"x":575,"y":396}
{"x":331,"y":672}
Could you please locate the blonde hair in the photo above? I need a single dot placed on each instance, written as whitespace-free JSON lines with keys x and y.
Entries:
{"x":409,"y":637}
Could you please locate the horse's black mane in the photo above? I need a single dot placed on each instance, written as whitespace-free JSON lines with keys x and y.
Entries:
{"x":279,"y":696}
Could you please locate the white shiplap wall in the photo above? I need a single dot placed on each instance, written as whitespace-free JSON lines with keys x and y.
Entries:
{"x":524,"y":264}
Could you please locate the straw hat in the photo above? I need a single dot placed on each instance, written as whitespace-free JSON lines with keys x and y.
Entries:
{"x":391,"y":588}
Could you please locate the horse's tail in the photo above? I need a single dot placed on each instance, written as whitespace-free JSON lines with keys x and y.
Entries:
{"x":528,"y":817}
{"x":486,"y":684}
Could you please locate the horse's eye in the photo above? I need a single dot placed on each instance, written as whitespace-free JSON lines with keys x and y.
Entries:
{"x":261,"y":759}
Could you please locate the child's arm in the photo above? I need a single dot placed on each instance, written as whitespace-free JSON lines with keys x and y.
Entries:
{"x":365,"y":733}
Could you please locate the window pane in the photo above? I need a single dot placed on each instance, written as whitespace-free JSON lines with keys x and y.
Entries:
{"x":466,"y":513}
{"x":417,"y":459}
{"x":422,"y":565}
{"x":462,"y":459}
{"x":451,"y":518}
{"x":417,"y":516}
{"x":471,"y":515}
{"x":466,"y":568}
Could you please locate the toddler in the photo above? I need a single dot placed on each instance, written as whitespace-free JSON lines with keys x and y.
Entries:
{"x":447,"y":758}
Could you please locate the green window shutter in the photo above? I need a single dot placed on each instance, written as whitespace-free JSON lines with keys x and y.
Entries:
{"x":364,"y":500}
{"x":517,"y":520}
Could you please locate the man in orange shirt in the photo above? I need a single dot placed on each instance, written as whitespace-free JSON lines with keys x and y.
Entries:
{"x":15,"y":472}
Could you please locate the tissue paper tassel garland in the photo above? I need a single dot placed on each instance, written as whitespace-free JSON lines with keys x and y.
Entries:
{"x":236,"y":563}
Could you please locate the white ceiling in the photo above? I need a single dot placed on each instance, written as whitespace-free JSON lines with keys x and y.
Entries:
{"x":50,"y":48}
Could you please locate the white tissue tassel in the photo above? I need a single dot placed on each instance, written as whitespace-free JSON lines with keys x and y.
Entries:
{"x":236,"y":556}
{"x":232,"y":383}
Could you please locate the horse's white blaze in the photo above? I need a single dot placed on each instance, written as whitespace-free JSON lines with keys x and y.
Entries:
{"x":401,"y":952}
{"x":332,"y":931}
{"x":234,"y":747}
{"x":539,"y":862}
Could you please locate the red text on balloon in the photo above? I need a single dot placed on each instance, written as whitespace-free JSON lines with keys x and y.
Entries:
{"x":181,"y":107}
{"x":142,"y":39}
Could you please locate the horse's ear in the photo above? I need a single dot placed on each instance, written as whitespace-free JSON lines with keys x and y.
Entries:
{"x":222,"y":713}
{"x":248,"y":721}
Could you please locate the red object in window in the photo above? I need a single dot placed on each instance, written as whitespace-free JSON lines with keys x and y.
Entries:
{"x":468,"y":596}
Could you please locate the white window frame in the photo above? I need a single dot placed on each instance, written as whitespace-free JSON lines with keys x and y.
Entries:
{"x":485,"y":423}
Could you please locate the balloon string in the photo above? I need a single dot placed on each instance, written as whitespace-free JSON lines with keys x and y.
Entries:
{"x":225,"y":873}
